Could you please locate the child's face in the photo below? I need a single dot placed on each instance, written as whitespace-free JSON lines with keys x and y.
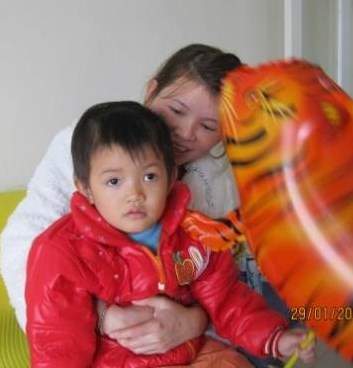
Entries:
{"x":129,"y":193}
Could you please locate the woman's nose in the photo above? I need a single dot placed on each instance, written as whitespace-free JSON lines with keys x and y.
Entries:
{"x":186,"y":130}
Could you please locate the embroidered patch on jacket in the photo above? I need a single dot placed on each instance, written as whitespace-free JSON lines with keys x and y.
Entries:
{"x":189,"y":269}
{"x":184,"y":269}
{"x":200,"y":261}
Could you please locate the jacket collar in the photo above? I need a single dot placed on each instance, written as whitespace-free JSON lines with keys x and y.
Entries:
{"x":91,"y":225}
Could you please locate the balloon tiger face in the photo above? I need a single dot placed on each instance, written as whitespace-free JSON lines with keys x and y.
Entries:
{"x":273,"y":114}
{"x":288,"y":130}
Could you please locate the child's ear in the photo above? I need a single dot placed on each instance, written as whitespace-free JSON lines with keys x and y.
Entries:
{"x":84,"y":190}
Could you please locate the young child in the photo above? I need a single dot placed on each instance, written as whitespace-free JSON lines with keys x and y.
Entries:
{"x":124,"y":241}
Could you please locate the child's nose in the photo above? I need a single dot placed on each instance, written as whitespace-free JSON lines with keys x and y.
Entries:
{"x":136,"y":194}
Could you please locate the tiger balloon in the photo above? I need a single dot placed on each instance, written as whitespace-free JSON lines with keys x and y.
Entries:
{"x":288,"y":131}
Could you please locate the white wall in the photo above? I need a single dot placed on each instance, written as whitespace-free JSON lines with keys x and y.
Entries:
{"x":327,"y":33}
{"x":346,"y":52}
{"x":320,"y":33}
{"x":59,"y":57}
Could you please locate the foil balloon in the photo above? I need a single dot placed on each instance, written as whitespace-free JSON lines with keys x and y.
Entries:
{"x":288,"y":130}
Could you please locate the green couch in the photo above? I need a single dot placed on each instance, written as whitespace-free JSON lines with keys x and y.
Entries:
{"x":13,"y":346}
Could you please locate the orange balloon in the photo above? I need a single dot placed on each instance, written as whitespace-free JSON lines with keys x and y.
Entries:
{"x":288,"y":130}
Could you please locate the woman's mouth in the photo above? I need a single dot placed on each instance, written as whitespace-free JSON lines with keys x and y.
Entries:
{"x":179,"y":148}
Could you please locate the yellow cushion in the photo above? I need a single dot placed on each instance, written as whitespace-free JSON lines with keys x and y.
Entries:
{"x":8,"y":202}
{"x":13,"y":345}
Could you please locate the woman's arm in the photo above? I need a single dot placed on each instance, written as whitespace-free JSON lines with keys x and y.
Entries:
{"x":170,"y":325}
{"x":47,"y":199}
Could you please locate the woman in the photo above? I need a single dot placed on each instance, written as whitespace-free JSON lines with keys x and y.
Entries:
{"x":185,"y":92}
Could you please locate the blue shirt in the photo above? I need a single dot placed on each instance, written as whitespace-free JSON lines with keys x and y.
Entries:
{"x":149,"y":237}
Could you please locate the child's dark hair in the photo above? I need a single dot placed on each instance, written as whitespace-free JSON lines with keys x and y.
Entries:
{"x":126,"y":123}
{"x":197,"y":62}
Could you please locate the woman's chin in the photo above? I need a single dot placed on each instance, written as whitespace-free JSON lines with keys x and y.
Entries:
{"x":185,"y":158}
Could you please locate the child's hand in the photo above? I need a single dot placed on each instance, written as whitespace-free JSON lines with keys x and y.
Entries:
{"x":290,"y":342}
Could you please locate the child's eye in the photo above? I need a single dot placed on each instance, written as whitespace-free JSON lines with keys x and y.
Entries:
{"x":113,"y":182}
{"x":150,"y":177}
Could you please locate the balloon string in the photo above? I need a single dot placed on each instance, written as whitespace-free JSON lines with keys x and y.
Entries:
{"x":309,"y":338}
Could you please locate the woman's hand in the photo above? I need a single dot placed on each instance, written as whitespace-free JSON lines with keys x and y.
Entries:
{"x":118,"y":318}
{"x":154,"y":325}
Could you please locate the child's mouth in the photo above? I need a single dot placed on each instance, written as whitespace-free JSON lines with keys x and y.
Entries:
{"x":136,"y":214}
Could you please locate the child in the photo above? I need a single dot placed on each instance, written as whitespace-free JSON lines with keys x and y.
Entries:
{"x":124,"y":241}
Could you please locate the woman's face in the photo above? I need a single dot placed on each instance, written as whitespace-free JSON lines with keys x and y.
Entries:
{"x":190,"y":111}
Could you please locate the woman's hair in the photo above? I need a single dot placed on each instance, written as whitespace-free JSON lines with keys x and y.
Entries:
{"x":202,"y":63}
{"x":127,"y":124}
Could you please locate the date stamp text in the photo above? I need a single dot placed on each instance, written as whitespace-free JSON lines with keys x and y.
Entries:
{"x":321,"y":313}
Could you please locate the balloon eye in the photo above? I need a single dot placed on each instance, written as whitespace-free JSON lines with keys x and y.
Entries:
{"x":331,"y":113}
{"x":252,"y":98}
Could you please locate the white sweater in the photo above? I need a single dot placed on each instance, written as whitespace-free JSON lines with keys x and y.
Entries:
{"x":48,"y":196}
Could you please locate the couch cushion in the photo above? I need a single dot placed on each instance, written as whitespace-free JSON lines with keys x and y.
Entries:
{"x":13,"y":345}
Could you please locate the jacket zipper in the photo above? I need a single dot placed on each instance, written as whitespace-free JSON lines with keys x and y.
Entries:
{"x":156,"y":259}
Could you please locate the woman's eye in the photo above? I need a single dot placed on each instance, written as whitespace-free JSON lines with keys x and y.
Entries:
{"x":150,"y":177}
{"x":209,"y":128}
{"x":176,"y":111}
{"x":113,"y":182}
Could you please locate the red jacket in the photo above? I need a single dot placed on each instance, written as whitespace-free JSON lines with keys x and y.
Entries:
{"x":81,"y":258}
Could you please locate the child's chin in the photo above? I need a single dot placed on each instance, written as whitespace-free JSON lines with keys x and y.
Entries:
{"x":137,"y":228}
